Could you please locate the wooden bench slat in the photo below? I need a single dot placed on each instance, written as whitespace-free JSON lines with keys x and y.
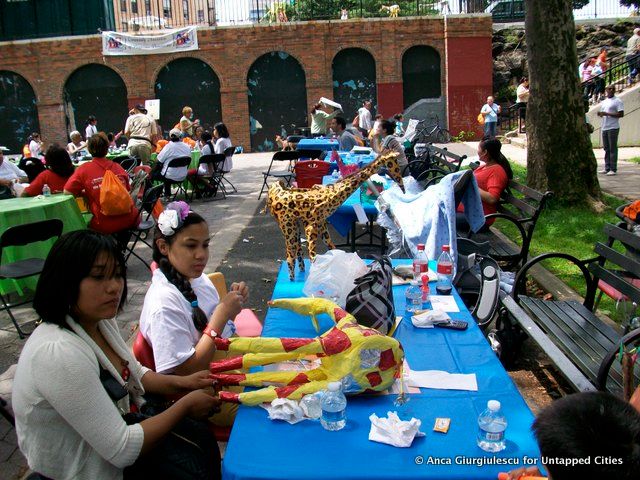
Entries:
{"x":527,"y":191}
{"x":627,"y":263}
{"x":622,"y":235}
{"x":520,"y":204}
{"x":616,"y":281}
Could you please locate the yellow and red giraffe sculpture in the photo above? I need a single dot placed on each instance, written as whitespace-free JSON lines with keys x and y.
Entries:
{"x":362,"y":358}
{"x":312,"y":206}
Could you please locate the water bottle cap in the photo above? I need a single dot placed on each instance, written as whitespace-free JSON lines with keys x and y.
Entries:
{"x":334,"y":386}
{"x":421,"y":246}
{"x":493,"y":405}
{"x":445,"y":248}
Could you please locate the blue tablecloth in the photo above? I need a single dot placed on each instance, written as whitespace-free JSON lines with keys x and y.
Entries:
{"x":345,"y":215}
{"x":324,"y":144}
{"x":263,"y":449}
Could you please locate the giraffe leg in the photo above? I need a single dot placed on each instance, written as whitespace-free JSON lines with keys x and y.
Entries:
{"x":299,"y":249}
{"x":289,"y":230}
{"x":256,"y":397}
{"x":257,"y":379}
{"x":312,"y":236}
{"x":326,"y":238}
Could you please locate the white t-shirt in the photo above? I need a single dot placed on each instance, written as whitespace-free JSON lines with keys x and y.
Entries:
{"x":166,"y":320}
{"x":491,"y":111}
{"x":611,"y":105}
{"x":90,"y":131}
{"x":10,"y":171}
{"x":35,"y":148}
{"x":364,"y":118}
{"x":522,"y":94}
{"x":221,"y":145}
{"x":170,"y":151}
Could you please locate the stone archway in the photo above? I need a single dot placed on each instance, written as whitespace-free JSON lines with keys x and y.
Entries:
{"x":421,"y":74}
{"x":18,"y":111}
{"x":354,"y":79}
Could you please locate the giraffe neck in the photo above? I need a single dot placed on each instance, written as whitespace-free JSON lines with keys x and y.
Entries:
{"x":349,"y":184}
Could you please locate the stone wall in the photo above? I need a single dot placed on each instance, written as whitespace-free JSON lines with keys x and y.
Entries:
{"x":463,"y":42}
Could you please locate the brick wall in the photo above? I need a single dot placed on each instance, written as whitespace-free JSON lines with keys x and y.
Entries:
{"x":464,"y":44}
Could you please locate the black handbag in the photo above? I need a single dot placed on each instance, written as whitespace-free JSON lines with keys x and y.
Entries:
{"x":371,"y":301}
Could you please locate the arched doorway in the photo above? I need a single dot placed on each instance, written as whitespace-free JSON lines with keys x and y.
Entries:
{"x":354,"y":79}
{"x":277,"y":90}
{"x":188,"y":82}
{"x":18,"y":111}
{"x":420,"y":74}
{"x":99,"y":91}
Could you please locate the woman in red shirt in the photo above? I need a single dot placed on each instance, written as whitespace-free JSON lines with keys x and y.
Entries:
{"x":59,"y":169}
{"x":492,"y":178}
{"x":86,"y":182}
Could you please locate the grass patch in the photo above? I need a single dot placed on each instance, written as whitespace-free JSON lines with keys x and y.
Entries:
{"x":634,"y":160}
{"x":567,"y":229}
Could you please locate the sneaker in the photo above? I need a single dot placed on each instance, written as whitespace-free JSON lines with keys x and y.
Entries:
{"x":610,"y":172}
{"x":604,"y":172}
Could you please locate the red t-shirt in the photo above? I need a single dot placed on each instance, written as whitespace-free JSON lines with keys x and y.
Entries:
{"x":492,"y":179}
{"x":56,"y":183}
{"x":87,"y":180}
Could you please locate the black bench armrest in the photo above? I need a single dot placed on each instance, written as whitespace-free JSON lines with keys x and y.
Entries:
{"x":630,"y":338}
{"x":520,"y":280}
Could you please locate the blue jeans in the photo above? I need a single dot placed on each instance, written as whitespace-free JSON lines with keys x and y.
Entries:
{"x":490,"y":129}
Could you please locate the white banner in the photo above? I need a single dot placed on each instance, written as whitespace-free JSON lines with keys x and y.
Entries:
{"x":179,"y":40}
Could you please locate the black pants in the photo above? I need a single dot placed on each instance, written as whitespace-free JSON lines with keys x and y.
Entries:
{"x":610,"y":145}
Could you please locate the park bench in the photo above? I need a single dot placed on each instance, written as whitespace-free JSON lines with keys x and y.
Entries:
{"x":521,"y":206}
{"x":582,"y":346}
{"x":433,"y":162}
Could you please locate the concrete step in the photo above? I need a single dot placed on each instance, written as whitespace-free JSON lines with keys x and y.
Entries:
{"x":519,"y":141}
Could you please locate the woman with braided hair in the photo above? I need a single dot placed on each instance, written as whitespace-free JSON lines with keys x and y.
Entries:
{"x":182,"y":311}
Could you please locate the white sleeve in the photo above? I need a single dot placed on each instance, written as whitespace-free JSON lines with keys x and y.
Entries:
{"x":68,"y":378}
{"x":218,"y":146}
{"x":170,"y":337}
{"x":163,"y":154}
{"x":485,"y":108}
{"x":18,"y":172}
{"x":127,"y":124}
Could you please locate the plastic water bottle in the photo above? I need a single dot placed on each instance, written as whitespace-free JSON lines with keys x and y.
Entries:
{"x":445,"y":272}
{"x":313,"y":404}
{"x":334,"y":408}
{"x":413,"y":298}
{"x":491,"y":427}
{"x":420,"y":263}
{"x":46,"y":190}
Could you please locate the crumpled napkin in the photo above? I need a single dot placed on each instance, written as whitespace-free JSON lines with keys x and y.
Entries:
{"x":393,"y":431}
{"x":284,"y":409}
{"x":428,"y":318}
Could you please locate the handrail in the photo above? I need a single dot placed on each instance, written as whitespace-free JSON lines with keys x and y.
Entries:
{"x":616,"y":74}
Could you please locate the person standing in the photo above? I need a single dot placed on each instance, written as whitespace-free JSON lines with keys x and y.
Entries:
{"x":91,"y":129}
{"x":490,"y":112}
{"x":611,"y":110}
{"x":522,"y":97}
{"x":364,"y":117}
{"x":319,"y":119}
{"x":141,"y":131}
{"x":633,"y":50}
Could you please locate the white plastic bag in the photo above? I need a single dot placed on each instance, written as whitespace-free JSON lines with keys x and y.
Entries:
{"x":332,"y":275}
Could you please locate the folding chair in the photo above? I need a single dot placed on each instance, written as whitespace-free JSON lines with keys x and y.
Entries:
{"x":179,"y":162}
{"x":20,"y":236}
{"x":121,"y":158}
{"x":149,"y":200}
{"x":228,"y":152}
{"x":286,"y":175}
{"x":310,"y":172}
{"x":129,"y":163}
{"x":214,"y":165}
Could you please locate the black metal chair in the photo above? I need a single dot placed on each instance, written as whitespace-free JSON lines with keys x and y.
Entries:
{"x":178,"y":162}
{"x":286,"y":175}
{"x":149,"y":200}
{"x":214,"y":164}
{"x":228,"y":152}
{"x":121,"y":158}
{"x":309,"y":154}
{"x":20,"y":236}
{"x":129,"y":164}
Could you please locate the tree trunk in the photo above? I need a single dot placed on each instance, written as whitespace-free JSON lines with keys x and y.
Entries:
{"x":560,"y":155}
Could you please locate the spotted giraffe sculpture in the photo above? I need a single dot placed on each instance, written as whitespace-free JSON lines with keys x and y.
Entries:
{"x":361,"y":357}
{"x":393,"y":10}
{"x":312,"y":207}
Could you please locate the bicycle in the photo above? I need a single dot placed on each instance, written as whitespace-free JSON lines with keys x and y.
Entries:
{"x":433,"y":133}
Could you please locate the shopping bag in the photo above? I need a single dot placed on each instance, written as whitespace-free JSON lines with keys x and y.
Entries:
{"x":481,"y":119}
{"x":114,"y":197}
{"x":371,"y":301}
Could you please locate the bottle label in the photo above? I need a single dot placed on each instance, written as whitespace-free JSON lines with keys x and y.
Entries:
{"x":494,"y":437}
{"x":446,"y":268}
{"x":420,"y":267}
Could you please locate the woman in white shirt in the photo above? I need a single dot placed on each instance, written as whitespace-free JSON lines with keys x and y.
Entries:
{"x":76,"y":145}
{"x":182,"y":311}
{"x":91,"y":128}
{"x":69,"y":422}
{"x":221,"y":135}
{"x":35,"y":145}
{"x":522,"y":97}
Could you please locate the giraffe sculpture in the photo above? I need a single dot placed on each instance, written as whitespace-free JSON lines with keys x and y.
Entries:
{"x":393,"y":10}
{"x":312,"y":207}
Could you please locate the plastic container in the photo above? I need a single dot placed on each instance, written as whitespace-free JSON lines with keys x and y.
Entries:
{"x":313,"y":405}
{"x":445,"y":272}
{"x":334,"y":408}
{"x":491,"y":427}
{"x":420,"y":263}
{"x":46,"y":190}
{"x":413,"y":298}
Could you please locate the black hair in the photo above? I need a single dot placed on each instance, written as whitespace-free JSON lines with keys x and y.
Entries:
{"x":206,"y":136}
{"x":174,"y":277}
{"x":34,"y":135}
{"x":398,"y":116}
{"x":221,"y":128}
{"x":590,"y":425}
{"x":524,"y":79}
{"x":493,"y":147}
{"x":388,"y":126}
{"x":90,"y":119}
{"x":58,"y":161}
{"x":69,"y":262}
{"x":110,"y":137}
{"x":315,"y":108}
{"x":342,"y":122}
{"x":98,"y":145}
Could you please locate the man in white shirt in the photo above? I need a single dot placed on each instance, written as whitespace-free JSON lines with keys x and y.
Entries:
{"x":141,"y":131}
{"x":174,"y":149}
{"x":632,"y":54}
{"x":490,"y":113}
{"x":611,"y":110}
{"x":91,"y":129}
{"x":364,"y":117}
{"x":9,"y":174}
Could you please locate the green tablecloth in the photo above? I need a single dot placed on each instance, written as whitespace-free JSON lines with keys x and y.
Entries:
{"x":195,"y":156}
{"x":18,"y":211}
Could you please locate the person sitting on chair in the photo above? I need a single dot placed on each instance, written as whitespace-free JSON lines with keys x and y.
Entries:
{"x":221,"y":134}
{"x":174,"y":149}
{"x":389,"y":142}
{"x":59,"y":169}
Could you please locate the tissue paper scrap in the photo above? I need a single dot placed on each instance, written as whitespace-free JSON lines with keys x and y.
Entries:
{"x":393,"y":431}
{"x":440,"y":380}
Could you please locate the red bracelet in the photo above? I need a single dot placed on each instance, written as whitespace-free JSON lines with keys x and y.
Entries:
{"x":210,"y":332}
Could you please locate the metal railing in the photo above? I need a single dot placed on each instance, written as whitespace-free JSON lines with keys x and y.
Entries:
{"x":617,"y":74}
{"x":508,"y":118}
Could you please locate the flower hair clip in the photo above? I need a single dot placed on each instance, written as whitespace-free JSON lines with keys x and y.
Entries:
{"x":172,"y":218}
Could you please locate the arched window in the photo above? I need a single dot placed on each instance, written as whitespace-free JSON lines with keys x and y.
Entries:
{"x":99,"y":91}
{"x":420,"y":74}
{"x":277,"y":98}
{"x":354,"y":79}
{"x":18,"y":112}
{"x":188,"y":82}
